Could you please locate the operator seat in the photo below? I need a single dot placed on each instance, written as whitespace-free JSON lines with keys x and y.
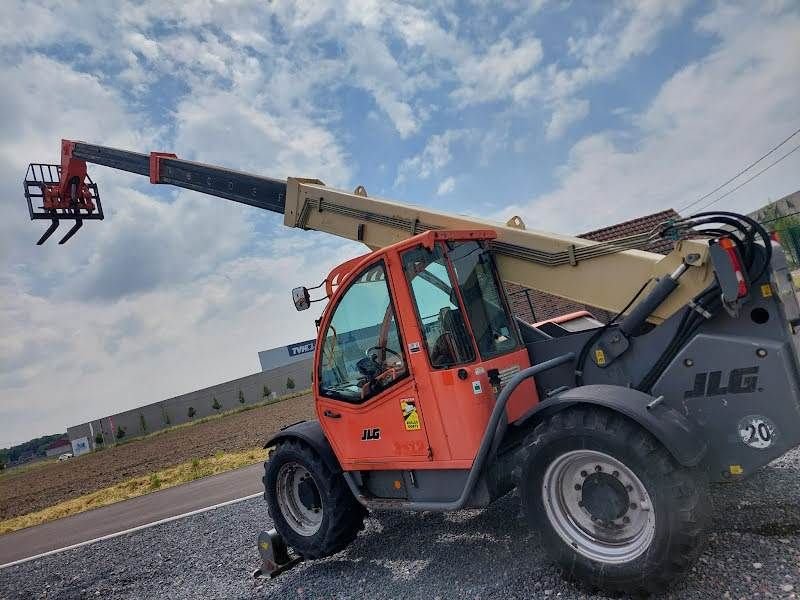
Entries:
{"x":452,"y":345}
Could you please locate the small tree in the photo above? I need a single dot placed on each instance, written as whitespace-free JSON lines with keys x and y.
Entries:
{"x":289,"y":383}
{"x":191,"y":412}
{"x":120,"y":433}
{"x":241,"y":397}
{"x":142,"y":424}
{"x":216,"y":405}
{"x":165,"y":415}
{"x":265,"y":392}
{"x":98,"y":439}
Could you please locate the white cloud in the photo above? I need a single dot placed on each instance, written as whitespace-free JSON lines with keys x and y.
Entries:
{"x":435,"y":155}
{"x":505,"y":70}
{"x":565,"y":114}
{"x":251,"y":138}
{"x":378,"y":71}
{"x":711,"y":118}
{"x":446,"y":186}
{"x":630,"y":29}
{"x":514,"y":71}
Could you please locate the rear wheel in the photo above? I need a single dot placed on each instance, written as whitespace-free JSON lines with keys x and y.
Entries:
{"x":311,"y":506}
{"x":615,"y":510}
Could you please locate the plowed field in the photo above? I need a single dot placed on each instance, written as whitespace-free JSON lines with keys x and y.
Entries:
{"x":44,"y":486}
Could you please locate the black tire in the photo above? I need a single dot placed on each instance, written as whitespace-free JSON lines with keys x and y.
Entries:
{"x":342,"y":515}
{"x":679,"y":498}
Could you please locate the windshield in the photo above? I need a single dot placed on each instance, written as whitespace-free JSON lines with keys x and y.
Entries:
{"x":361,"y":352}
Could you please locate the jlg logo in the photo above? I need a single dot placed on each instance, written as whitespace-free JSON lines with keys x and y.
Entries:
{"x":370,"y":434}
{"x":740,"y":381}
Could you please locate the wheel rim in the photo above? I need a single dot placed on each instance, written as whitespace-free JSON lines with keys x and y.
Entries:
{"x":598,"y":506}
{"x":299,"y":499}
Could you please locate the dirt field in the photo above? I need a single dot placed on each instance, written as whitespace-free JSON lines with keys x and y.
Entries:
{"x":41,"y":487}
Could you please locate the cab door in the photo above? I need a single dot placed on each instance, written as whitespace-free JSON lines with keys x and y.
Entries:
{"x":467,"y":331}
{"x":367,"y":402}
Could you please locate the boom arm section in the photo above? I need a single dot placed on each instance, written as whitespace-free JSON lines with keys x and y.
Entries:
{"x":66,"y":192}
{"x":605,"y":274}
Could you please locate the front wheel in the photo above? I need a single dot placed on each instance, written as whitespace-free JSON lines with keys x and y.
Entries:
{"x":311,"y":506}
{"x":615,"y":510}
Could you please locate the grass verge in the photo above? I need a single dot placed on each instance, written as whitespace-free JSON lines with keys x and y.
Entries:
{"x":138,"y":486}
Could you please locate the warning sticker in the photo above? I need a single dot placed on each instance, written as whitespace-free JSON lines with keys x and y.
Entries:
{"x":410,"y":414}
{"x":599,"y":357}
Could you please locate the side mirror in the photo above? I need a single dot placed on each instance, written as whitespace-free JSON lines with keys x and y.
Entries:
{"x":302,"y":301}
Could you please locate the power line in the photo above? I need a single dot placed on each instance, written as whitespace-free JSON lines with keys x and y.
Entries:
{"x":742,"y":172}
{"x":748,"y":180}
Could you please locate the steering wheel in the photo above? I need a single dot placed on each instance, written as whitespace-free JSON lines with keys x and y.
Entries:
{"x":385,"y":349}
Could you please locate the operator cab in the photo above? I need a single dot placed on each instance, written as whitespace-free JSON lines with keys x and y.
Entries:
{"x":415,"y":344}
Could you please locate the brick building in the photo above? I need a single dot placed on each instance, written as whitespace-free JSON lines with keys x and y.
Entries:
{"x":533,"y":306}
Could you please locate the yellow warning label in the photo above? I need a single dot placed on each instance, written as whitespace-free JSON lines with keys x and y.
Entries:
{"x":766,"y":290}
{"x":599,"y":357}
{"x":410,"y":414}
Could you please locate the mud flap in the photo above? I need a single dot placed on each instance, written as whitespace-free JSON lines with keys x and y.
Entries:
{"x":275,"y":555}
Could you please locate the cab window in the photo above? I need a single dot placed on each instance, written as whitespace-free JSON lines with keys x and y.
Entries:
{"x":444,"y":329}
{"x":362,"y":353}
{"x":492,"y":325}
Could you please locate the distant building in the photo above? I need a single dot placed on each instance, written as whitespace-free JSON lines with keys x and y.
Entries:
{"x":252,"y":389}
{"x":284,"y":355}
{"x":57,"y":447}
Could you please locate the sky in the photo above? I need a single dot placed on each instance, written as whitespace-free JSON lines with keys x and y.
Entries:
{"x":573,"y":115}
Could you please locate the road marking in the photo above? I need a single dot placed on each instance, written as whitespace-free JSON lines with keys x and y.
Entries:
{"x":132,"y":530}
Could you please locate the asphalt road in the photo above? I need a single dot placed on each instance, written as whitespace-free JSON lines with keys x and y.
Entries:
{"x":129,"y":514}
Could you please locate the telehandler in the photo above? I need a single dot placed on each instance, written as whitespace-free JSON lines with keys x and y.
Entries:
{"x":431,"y":396}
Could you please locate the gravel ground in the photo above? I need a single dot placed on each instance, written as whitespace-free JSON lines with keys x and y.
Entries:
{"x":754,"y":552}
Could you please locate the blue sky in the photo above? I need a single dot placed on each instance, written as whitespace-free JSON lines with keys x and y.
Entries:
{"x":573,"y":115}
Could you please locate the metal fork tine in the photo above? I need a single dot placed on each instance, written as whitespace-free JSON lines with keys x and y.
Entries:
{"x":48,"y":232}
{"x":71,"y":232}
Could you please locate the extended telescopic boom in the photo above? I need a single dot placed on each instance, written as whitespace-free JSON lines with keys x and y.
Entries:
{"x":605,"y":274}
